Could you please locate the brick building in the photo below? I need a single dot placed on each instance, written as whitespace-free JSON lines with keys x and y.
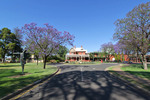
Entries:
{"x":78,"y":54}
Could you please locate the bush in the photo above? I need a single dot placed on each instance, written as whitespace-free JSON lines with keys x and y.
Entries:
{"x":72,"y":62}
{"x":12,"y":61}
{"x":55,"y":58}
{"x":67,"y":61}
{"x":57,"y":61}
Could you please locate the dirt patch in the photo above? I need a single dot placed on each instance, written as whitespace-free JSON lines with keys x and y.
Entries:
{"x":17,"y":76}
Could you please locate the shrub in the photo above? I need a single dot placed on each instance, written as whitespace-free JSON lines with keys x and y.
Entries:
{"x":67,"y":61}
{"x":57,"y":61}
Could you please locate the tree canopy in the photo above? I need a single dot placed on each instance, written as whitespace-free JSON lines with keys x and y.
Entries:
{"x":134,"y":30}
{"x":8,"y":43}
{"x":47,"y":39}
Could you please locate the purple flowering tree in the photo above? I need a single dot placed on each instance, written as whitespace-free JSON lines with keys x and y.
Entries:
{"x":107,"y":49}
{"x":135,"y":29}
{"x":33,"y":48}
{"x":123,"y":48}
{"x":45,"y":39}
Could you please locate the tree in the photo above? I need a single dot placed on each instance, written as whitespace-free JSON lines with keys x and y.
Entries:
{"x":122,"y":48}
{"x":59,"y":55}
{"x":5,"y":42}
{"x":62,"y":52}
{"x":117,"y":57}
{"x":32,"y":48}
{"x":14,"y":46}
{"x":47,"y":39}
{"x":8,"y":43}
{"x":92,"y":56}
{"x":107,"y":49}
{"x":135,"y":29}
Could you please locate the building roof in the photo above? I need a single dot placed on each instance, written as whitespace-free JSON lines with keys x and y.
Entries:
{"x":80,"y":49}
{"x":77,"y":49}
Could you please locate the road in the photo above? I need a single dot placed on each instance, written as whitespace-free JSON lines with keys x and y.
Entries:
{"x":86,"y":82}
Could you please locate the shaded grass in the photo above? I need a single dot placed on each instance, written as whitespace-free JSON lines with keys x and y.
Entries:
{"x":137,"y":70}
{"x":32,"y":71}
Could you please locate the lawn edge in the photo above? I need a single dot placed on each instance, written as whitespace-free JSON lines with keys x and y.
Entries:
{"x":89,"y":64}
{"x":11,"y":95}
{"x":128,"y":83}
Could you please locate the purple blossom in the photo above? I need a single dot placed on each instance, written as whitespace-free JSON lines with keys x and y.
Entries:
{"x":45,"y":39}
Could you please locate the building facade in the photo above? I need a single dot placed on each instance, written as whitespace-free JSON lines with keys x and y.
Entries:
{"x":78,"y":54}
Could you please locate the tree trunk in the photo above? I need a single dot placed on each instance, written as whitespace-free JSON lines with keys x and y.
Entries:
{"x":37,"y":60}
{"x":145,"y":62}
{"x":23,"y":69}
{"x":12,"y":58}
{"x":3,"y":60}
{"x":142,"y":58}
{"x":45,"y":58}
{"x":137,"y":54}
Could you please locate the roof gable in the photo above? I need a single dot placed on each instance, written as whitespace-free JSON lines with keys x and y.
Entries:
{"x":78,"y":50}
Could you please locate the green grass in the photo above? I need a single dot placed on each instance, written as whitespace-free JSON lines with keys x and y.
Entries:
{"x":137,"y":67}
{"x":11,"y":78}
{"x":137,"y":70}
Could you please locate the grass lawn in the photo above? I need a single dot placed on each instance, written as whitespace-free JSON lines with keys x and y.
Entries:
{"x":137,"y":69}
{"x":11,"y":78}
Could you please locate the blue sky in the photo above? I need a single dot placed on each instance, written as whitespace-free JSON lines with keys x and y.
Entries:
{"x":90,"y":21}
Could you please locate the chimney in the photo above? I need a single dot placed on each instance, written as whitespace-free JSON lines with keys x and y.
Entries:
{"x":81,"y":47}
{"x":74,"y":46}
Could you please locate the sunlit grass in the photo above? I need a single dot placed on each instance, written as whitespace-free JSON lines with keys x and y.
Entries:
{"x":11,"y":78}
{"x":137,"y":69}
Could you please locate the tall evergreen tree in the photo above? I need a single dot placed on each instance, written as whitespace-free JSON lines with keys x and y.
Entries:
{"x":8,"y":43}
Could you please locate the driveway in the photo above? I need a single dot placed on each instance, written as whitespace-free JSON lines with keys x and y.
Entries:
{"x":84,"y":82}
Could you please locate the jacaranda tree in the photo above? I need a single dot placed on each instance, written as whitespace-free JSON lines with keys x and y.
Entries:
{"x":135,"y":28}
{"x":47,"y":39}
{"x":107,"y":49}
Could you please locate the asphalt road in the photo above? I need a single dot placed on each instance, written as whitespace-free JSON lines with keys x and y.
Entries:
{"x":86,"y":82}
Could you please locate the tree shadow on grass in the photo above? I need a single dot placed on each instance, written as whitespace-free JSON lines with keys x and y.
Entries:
{"x":7,"y":65}
{"x":139,"y":70}
{"x":94,"y":85}
{"x":8,"y":72}
{"x":140,"y":74}
{"x":9,"y":85}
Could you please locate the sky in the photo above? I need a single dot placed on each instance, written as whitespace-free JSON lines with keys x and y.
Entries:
{"x":90,"y":21}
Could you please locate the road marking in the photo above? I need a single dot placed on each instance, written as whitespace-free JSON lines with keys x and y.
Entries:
{"x":81,"y":69}
{"x":18,"y":96}
{"x":81,"y":74}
